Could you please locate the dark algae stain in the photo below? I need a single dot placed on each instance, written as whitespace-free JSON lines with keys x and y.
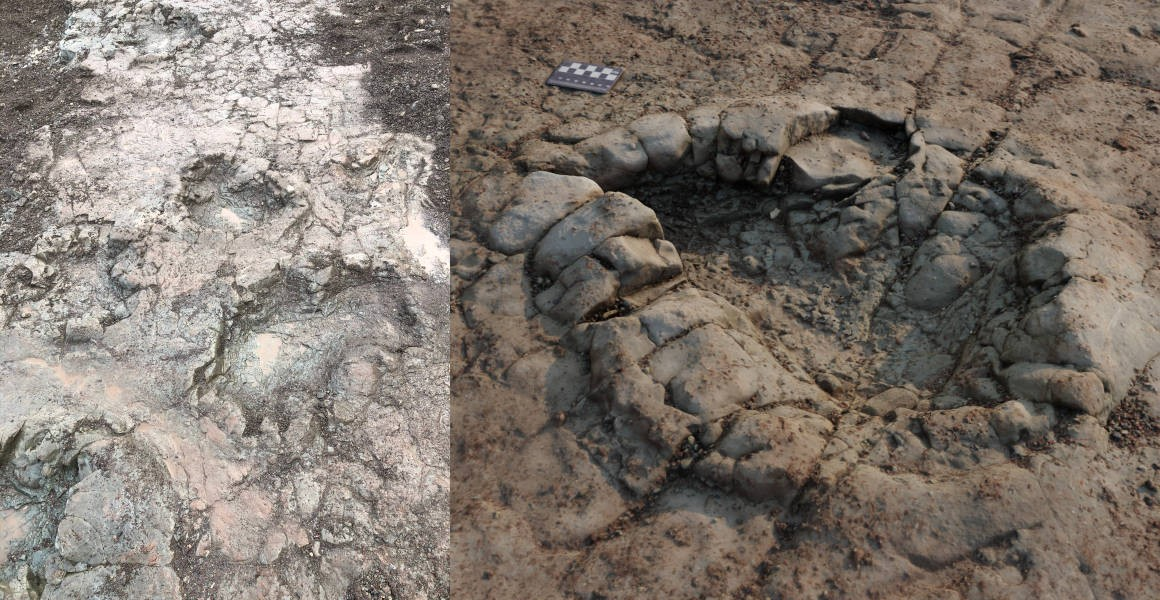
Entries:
{"x":406,"y":46}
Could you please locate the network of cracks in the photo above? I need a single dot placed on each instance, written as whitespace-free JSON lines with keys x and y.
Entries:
{"x":770,"y":269}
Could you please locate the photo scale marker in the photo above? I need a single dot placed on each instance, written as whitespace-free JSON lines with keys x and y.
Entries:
{"x":585,"y":76}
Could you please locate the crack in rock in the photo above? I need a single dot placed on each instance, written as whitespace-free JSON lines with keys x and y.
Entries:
{"x":221,"y":372}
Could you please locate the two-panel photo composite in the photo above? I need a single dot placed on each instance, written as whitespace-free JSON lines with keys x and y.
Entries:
{"x":579,"y":300}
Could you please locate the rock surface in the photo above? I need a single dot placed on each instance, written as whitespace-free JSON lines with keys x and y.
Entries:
{"x":223,"y":370}
{"x":922,"y":365}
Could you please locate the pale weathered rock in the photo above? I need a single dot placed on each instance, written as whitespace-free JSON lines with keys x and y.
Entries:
{"x":1075,"y":328}
{"x":648,"y":427}
{"x":823,"y":161}
{"x":218,"y":268}
{"x":1087,"y":254}
{"x":927,"y":188}
{"x":85,"y":329}
{"x":697,"y":391}
{"x":640,"y":262}
{"x":96,"y":529}
{"x":665,"y":139}
{"x":539,"y":155}
{"x":579,"y":233}
{"x":959,"y":123}
{"x":575,"y":130}
{"x":580,"y":290}
{"x":975,"y":522}
{"x":1059,"y":386}
{"x":500,"y":292}
{"x":676,"y":314}
{"x":625,"y":343}
{"x":958,"y":224}
{"x":753,"y":136}
{"x":770,"y":126}
{"x":885,"y":103}
{"x":941,"y":281}
{"x":1016,"y":421}
{"x":768,"y":455}
{"x":1038,"y":192}
{"x":976,"y":198}
{"x":704,"y":123}
{"x":545,"y":460}
{"x":540,"y":201}
{"x":614,"y":157}
{"x":1071,"y":247}
{"x":484,"y":198}
{"x":890,"y":400}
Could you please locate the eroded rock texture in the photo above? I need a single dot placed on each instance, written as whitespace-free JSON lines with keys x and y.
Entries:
{"x":223,"y":370}
{"x":866,"y":309}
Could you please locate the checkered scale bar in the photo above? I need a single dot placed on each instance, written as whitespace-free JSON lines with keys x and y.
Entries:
{"x":585,"y":76}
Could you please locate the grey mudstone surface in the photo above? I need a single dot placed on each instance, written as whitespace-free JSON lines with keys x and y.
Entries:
{"x":958,"y":224}
{"x":860,"y":225}
{"x":708,"y":435}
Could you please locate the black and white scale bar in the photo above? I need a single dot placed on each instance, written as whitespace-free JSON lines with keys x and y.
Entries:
{"x":585,"y":76}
